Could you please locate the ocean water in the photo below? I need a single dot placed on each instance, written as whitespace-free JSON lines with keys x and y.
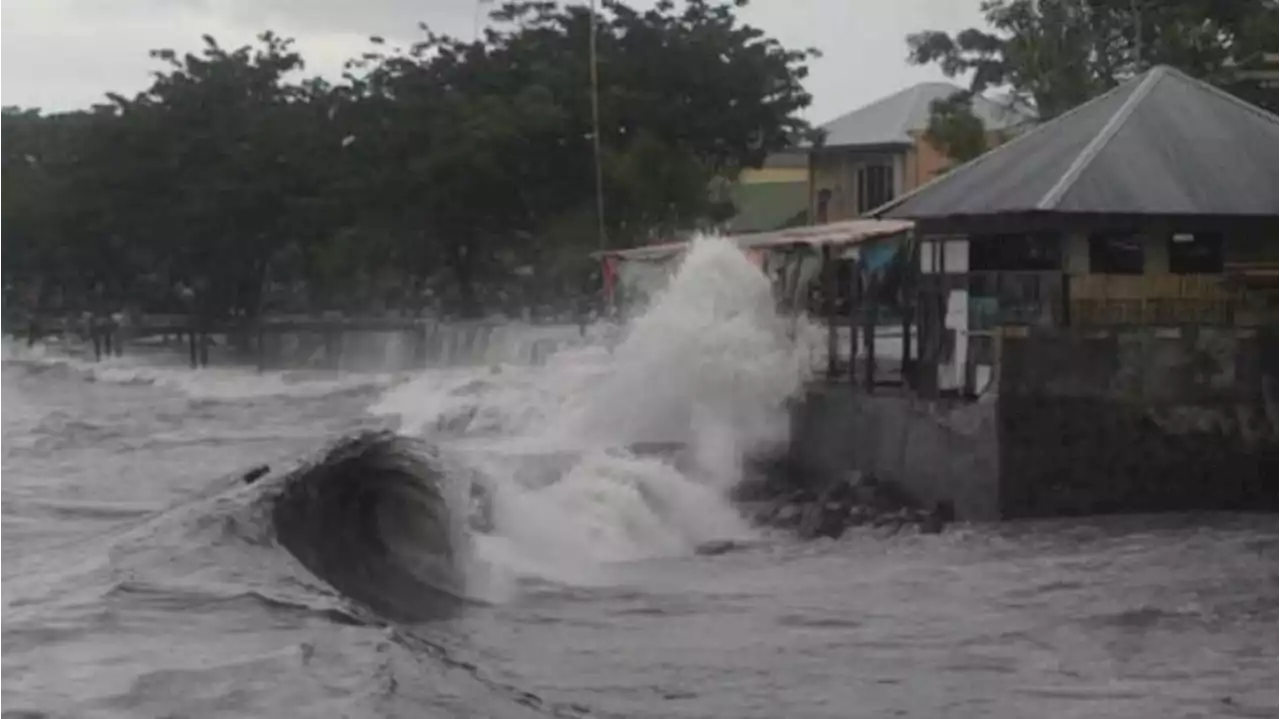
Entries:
{"x":143,"y":578}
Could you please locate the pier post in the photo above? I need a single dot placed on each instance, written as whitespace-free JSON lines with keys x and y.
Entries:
{"x":260,"y":345}
{"x":118,"y":330}
{"x":33,"y":330}
{"x":419,"y":359}
{"x":434,"y":345}
{"x":191,"y":343}
{"x":333,"y":347}
{"x":95,"y":335}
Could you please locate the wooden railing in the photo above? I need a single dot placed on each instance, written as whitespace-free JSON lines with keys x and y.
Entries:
{"x":1112,"y":300}
{"x":999,"y":298}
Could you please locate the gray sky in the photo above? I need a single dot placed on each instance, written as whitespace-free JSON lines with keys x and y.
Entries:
{"x":64,"y":54}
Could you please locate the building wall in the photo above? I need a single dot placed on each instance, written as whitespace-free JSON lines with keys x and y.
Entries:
{"x":1075,"y":254}
{"x":924,"y":162}
{"x":773,"y":174}
{"x":835,"y":169}
{"x":1155,"y":297}
{"x":913,"y":165}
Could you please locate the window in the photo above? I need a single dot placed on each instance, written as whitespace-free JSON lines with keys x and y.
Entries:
{"x":1034,"y":252}
{"x":875,"y":186}
{"x":1116,"y":253}
{"x":1200,"y":253}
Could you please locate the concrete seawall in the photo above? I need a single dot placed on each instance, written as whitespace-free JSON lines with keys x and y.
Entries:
{"x":938,"y":452}
{"x":1078,"y":423}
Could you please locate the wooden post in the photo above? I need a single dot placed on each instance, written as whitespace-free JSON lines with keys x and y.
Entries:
{"x":910,"y":281}
{"x":191,"y":343}
{"x":118,"y":329}
{"x":1064,"y":296}
{"x":940,"y":331}
{"x":204,"y":347}
{"x":870,"y":307}
{"x":856,"y":299}
{"x":829,"y":307}
{"x":929,"y":320}
{"x":907,"y":371}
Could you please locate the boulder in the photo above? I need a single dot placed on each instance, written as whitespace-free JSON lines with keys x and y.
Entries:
{"x":827,"y":510}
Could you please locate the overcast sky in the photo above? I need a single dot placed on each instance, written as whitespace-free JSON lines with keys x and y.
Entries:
{"x":64,"y":54}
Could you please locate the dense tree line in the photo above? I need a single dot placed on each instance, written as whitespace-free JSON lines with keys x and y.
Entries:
{"x":450,"y":174}
{"x":1051,"y":55}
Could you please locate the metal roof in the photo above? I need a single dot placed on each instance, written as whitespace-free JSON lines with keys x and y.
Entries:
{"x":890,"y":120}
{"x":836,"y":233}
{"x":1163,"y":143}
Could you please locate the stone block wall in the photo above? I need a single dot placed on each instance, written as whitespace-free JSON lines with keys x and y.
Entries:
{"x":1134,"y":420}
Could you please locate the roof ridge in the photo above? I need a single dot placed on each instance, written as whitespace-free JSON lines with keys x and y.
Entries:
{"x":909,"y":90}
{"x":1021,"y":137}
{"x":1010,"y":113}
{"x":1104,"y":136}
{"x":1214,"y":89}
{"x":860,"y":108}
{"x":904,"y":125}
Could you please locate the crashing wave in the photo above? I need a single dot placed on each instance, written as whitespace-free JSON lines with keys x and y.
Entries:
{"x":372,"y":517}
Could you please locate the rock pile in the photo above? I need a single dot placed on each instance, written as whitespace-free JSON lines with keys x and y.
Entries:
{"x":852,"y":501}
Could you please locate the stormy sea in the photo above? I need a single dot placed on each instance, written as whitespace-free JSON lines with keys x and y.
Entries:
{"x":486,"y":540}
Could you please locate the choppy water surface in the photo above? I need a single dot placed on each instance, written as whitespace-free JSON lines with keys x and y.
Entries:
{"x":142,"y":580}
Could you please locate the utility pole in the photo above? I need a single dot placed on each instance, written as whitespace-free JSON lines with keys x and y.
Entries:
{"x":595,"y":132}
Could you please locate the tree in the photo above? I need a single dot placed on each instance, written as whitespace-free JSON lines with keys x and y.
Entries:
{"x":454,"y":172}
{"x":1052,"y":55}
{"x":497,"y":133}
{"x":34,"y":148}
{"x":211,"y":178}
{"x":954,"y":129}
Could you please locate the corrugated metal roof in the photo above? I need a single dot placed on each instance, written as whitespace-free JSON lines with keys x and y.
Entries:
{"x":836,"y":233}
{"x":890,"y":120}
{"x":1163,"y":143}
